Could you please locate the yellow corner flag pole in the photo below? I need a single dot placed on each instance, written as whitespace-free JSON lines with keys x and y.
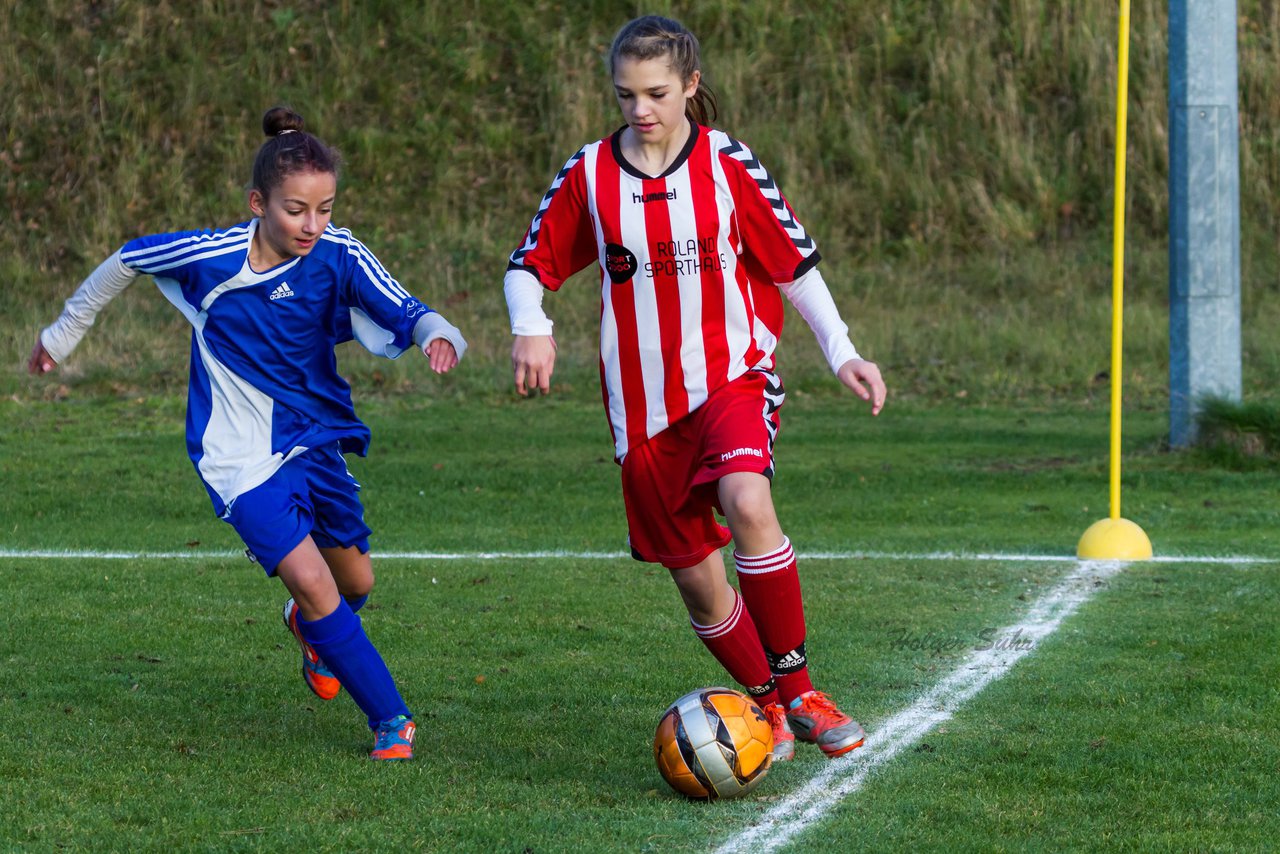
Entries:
{"x":1116,"y":538}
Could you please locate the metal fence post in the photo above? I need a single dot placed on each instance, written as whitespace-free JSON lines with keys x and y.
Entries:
{"x":1204,"y":211}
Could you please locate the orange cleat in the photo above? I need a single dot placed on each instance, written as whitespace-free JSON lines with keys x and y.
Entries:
{"x":393,"y":739}
{"x":319,"y":678}
{"x":814,"y":718}
{"x":784,"y":740}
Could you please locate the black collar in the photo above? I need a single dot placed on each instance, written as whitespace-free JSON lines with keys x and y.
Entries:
{"x":626,"y":166}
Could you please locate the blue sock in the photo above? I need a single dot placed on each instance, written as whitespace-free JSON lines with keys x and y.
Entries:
{"x":340,"y":641}
{"x":356,"y":602}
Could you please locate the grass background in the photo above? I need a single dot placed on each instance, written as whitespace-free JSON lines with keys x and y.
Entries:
{"x":953,"y":160}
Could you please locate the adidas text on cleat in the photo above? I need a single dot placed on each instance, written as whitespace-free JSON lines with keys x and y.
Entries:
{"x":393,"y":739}
{"x":319,"y":678}
{"x":784,"y":741}
{"x":814,"y":718}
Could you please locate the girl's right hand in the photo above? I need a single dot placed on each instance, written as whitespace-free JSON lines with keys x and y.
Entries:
{"x":40,"y":362}
{"x":533,"y":358}
{"x":863,"y":379}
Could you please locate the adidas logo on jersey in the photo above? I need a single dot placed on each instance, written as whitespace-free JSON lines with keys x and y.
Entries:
{"x":282,"y":290}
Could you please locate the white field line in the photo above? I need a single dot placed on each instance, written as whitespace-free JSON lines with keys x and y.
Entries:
{"x":90,"y":554}
{"x":841,"y":777}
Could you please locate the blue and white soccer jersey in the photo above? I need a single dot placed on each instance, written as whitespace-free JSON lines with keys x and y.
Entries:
{"x":264,"y":383}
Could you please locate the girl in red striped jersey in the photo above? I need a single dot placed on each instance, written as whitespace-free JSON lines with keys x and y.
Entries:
{"x":696,"y":247}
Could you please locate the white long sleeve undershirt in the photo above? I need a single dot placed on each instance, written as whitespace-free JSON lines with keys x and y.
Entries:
{"x":812,"y":298}
{"x":81,"y":309}
{"x":524,"y":303}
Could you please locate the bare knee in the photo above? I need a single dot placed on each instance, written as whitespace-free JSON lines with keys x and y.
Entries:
{"x":352,"y":571}
{"x":356,"y":589}
{"x":356,"y":593}
{"x":747,"y":502}
{"x":705,"y":590}
{"x":749,"y":510}
{"x":309,"y":581}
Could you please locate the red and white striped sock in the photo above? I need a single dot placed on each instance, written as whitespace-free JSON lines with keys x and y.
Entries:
{"x":770,"y":585}
{"x":736,"y":645}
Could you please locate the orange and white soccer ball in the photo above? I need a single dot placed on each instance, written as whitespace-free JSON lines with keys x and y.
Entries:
{"x":713,"y":743}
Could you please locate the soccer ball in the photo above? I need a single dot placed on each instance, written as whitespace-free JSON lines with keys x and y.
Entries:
{"x":713,"y":743}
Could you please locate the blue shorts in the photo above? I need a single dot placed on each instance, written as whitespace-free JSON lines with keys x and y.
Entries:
{"x":312,"y":494}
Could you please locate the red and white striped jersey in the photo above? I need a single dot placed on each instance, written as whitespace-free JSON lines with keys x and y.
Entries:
{"x":689,"y":262}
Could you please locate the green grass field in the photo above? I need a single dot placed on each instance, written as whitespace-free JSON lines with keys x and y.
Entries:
{"x":954,"y":162}
{"x":153,"y":703}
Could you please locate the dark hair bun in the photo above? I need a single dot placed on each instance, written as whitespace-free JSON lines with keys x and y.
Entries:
{"x":280,"y":119}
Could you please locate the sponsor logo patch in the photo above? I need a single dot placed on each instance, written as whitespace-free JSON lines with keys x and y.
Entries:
{"x":619,"y":263}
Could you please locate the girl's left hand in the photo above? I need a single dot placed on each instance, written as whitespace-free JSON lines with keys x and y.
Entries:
{"x":40,"y":361}
{"x":863,"y":378}
{"x":441,"y":355}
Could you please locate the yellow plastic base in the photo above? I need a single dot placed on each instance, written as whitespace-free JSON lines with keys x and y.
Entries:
{"x":1114,"y":539}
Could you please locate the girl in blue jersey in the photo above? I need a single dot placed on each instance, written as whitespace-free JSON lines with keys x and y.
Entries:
{"x":268,"y":416}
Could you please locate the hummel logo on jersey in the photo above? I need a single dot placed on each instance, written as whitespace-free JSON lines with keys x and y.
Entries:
{"x":741,"y":452}
{"x":652,"y":197}
{"x":282,"y":290}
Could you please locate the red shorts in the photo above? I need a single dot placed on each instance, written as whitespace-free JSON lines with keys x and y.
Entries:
{"x":669,"y":482}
